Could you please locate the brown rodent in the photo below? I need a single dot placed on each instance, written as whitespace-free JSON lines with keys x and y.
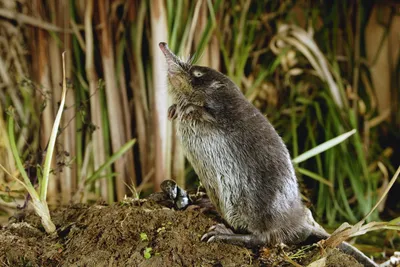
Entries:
{"x":240,"y":159}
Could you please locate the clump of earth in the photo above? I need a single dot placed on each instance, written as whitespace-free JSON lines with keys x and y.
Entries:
{"x":138,"y":233}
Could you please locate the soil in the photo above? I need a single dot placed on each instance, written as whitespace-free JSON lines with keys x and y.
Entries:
{"x":137,"y":233}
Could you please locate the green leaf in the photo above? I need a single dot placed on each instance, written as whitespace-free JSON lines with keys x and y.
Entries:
{"x":314,"y":176}
{"x":114,"y":157}
{"x":143,"y":237}
{"x":147,"y":253}
{"x":323,"y":147}
{"x":26,"y":183}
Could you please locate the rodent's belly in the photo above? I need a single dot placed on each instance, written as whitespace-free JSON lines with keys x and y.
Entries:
{"x":215,"y":164}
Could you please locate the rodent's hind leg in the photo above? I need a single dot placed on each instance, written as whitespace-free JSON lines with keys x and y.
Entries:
{"x":172,"y":114}
{"x":222,"y":233}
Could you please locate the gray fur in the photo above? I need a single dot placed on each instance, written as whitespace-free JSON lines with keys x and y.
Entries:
{"x":239,"y":157}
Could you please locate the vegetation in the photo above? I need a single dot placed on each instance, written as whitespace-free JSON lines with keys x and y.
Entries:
{"x":316,"y":71}
{"x":39,"y":199}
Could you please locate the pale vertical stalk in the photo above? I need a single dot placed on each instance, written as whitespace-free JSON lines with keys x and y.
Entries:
{"x":69,"y":136}
{"x":43,"y":76}
{"x":67,"y":179}
{"x":193,"y":26}
{"x":377,"y":55}
{"x":128,"y":156}
{"x":52,"y":140}
{"x":160,"y":102}
{"x":215,"y":61}
{"x":99,"y":155}
{"x":138,"y":86}
{"x":54,"y":54}
{"x":114,"y":107}
{"x":201,"y":26}
{"x":356,"y":68}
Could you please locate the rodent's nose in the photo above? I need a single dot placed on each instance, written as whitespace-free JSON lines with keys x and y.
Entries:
{"x":164,"y":48}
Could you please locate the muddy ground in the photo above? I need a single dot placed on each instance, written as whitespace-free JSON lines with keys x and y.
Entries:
{"x":136,"y":233}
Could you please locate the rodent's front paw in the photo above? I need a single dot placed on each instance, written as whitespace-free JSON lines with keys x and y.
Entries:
{"x":172,"y":114}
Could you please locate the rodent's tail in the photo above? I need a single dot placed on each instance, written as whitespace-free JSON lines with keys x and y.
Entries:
{"x":318,"y":235}
{"x":358,"y":255}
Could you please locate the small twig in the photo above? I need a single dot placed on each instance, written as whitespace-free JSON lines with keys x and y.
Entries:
{"x":78,"y":36}
{"x":289,"y":260}
{"x":356,"y":72}
{"x":145,"y":180}
{"x":380,"y":118}
{"x":193,"y":27}
{"x":22,"y":18}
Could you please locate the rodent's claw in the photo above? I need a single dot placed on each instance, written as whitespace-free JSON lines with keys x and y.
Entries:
{"x":220,"y":232}
{"x":209,"y":237}
{"x":212,"y":228}
{"x":215,"y":231}
{"x":212,"y":239}
{"x":220,"y":229}
{"x":172,"y":114}
{"x":204,"y":237}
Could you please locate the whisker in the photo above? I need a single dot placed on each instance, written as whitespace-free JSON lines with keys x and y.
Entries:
{"x":190,"y":59}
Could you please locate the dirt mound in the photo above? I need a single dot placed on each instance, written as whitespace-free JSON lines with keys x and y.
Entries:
{"x":131,"y":233}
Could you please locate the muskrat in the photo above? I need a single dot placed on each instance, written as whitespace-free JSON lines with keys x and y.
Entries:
{"x":241,"y":161}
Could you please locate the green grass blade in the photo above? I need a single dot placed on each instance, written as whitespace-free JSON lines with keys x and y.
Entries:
{"x":28,"y":185}
{"x":114,"y":157}
{"x":323,"y":147}
{"x":208,"y":30}
{"x":315,"y":176}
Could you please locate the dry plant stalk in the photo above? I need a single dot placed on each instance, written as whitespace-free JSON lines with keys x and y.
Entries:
{"x":383,"y":57}
{"x":303,"y":41}
{"x":346,"y":231}
{"x":67,"y":177}
{"x":136,"y":17}
{"x":161,"y":101}
{"x":46,"y":96}
{"x":99,"y":152}
{"x":115,"y":102}
{"x":138,"y":85}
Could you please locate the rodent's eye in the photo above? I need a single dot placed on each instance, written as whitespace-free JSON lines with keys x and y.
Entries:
{"x":197,"y":73}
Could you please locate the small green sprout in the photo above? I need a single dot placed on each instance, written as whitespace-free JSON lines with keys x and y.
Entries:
{"x":147,"y":253}
{"x":143,"y":237}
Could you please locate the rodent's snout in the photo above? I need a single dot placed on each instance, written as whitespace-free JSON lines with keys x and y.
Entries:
{"x":173,"y":62}
{"x":162,"y":45}
{"x":164,"y":48}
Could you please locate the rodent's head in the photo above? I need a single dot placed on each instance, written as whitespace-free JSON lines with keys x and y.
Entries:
{"x":199,"y":86}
